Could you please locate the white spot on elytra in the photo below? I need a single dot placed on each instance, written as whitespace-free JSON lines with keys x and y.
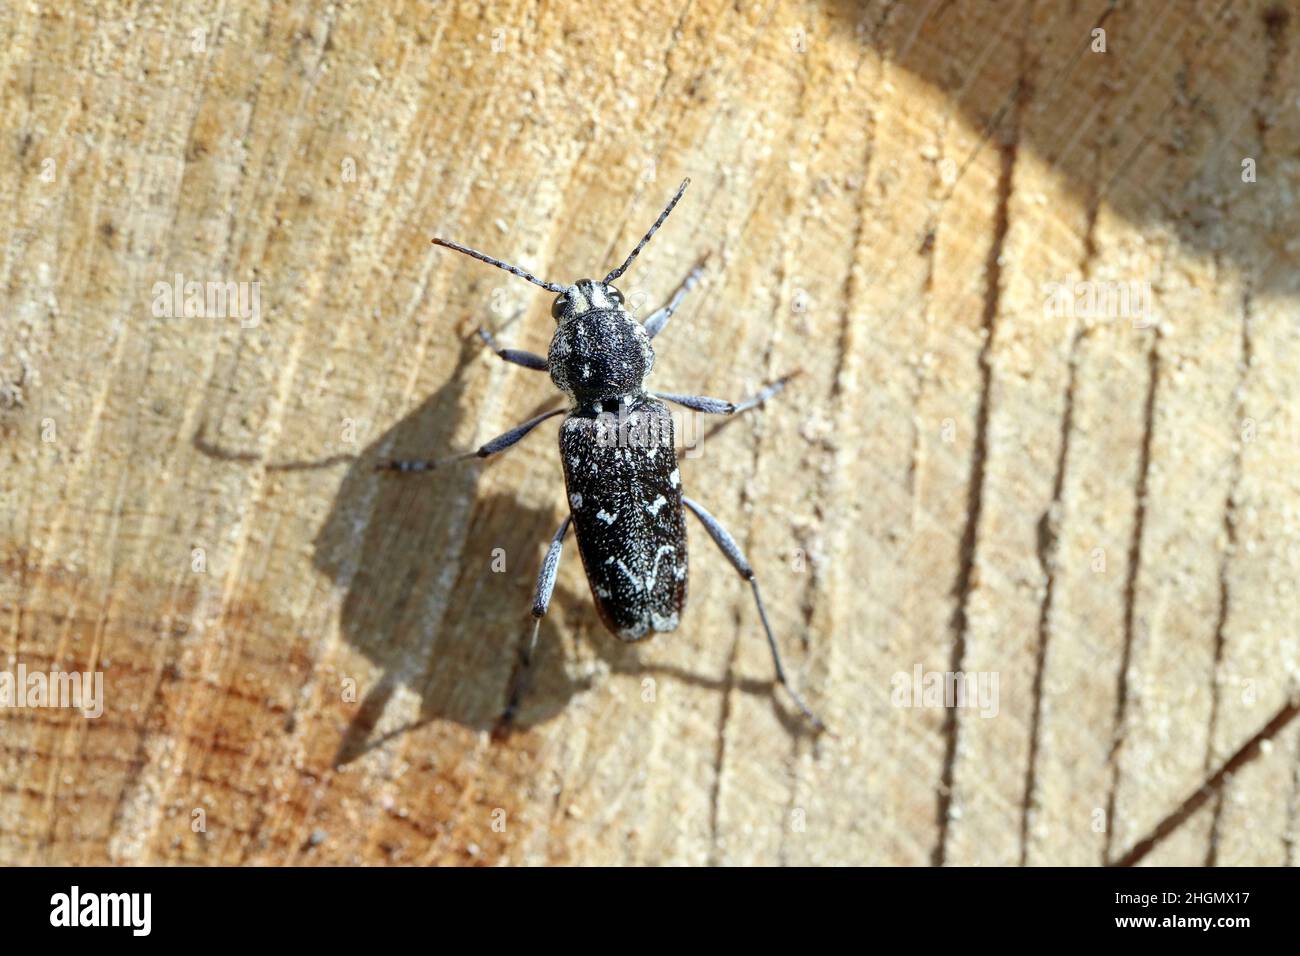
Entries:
{"x":675,"y":477}
{"x":655,"y":505}
{"x":607,"y":518}
{"x":654,"y":568}
{"x":663,"y":622}
{"x":629,"y":575}
{"x":575,"y":500}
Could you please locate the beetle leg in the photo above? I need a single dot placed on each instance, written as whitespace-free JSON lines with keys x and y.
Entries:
{"x":500,"y":443}
{"x":515,"y":356}
{"x":728,"y":546}
{"x":720,"y":406}
{"x":656,"y":320}
{"x":541,"y":602}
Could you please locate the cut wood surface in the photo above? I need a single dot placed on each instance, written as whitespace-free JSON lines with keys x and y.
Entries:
{"x":1045,"y":303}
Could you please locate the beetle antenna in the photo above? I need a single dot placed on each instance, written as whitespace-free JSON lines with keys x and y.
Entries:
{"x":503,"y":265}
{"x":653,"y":229}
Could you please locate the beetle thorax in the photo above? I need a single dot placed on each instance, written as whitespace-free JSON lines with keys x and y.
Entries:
{"x":599,"y":350}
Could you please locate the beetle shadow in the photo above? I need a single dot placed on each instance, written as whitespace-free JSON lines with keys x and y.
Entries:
{"x":438,"y":580}
{"x":438,"y":585}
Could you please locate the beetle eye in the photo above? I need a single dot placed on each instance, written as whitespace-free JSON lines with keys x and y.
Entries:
{"x":615,"y":294}
{"x":557,"y":307}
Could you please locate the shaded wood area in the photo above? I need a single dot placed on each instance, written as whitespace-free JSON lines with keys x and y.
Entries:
{"x":1045,"y":304}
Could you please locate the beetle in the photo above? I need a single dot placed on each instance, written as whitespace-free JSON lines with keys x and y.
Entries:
{"x":621,"y":473}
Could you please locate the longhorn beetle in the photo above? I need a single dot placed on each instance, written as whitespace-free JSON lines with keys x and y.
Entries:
{"x":620,"y":466}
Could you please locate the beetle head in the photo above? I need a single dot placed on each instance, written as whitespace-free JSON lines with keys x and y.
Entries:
{"x":585,"y":295}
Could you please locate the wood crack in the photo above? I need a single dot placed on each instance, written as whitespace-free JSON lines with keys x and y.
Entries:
{"x":975,"y":487}
{"x":1048,"y":529}
{"x":1275,"y":23}
{"x":1130,"y":585}
{"x":1211,"y":787}
{"x":1048,"y":552}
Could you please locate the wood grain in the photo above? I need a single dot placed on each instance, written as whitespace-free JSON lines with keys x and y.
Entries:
{"x":1099,"y":511}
